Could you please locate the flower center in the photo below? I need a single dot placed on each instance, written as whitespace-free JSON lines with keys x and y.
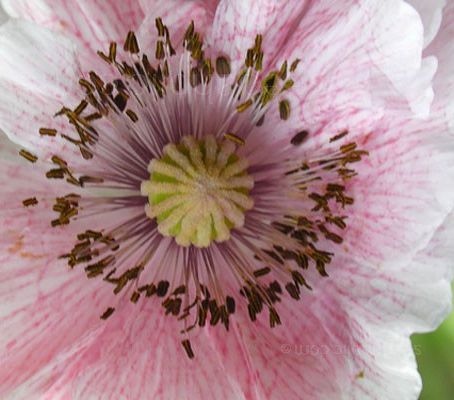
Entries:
{"x":198,"y":191}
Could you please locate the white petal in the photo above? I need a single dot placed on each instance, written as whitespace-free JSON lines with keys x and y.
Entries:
{"x":442,"y":47}
{"x":431,"y":15}
{"x":38,"y":75}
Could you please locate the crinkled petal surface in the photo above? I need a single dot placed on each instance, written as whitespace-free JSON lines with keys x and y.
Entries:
{"x":443,"y":48}
{"x":177,"y":14}
{"x":431,"y":14}
{"x":38,"y":74}
{"x":76,"y":21}
{"x":92,"y":24}
{"x":321,"y":32}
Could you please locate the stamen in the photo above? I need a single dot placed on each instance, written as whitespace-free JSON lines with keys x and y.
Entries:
{"x":108,"y":313}
{"x":47,"y":132}
{"x":294,"y":65}
{"x":30,"y":202}
{"x":28,"y":156}
{"x":235,"y":139}
{"x":131,"y":44}
{"x":284,"y":109}
{"x":222,"y":66}
{"x":299,"y":138}
{"x":187,"y":347}
{"x":339,"y":136}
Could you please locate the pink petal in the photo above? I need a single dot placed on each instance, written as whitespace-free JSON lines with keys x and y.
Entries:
{"x":77,"y":19}
{"x":304,"y":28}
{"x":139,"y":354}
{"x":151,"y":6}
{"x":44,"y":307}
{"x":380,"y":54}
{"x":237,"y":23}
{"x":399,"y":201}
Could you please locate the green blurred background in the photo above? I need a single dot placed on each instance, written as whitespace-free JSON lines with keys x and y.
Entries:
{"x":435,"y":354}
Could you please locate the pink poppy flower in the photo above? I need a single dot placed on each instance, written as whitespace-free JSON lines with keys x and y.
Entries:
{"x":223,"y":199}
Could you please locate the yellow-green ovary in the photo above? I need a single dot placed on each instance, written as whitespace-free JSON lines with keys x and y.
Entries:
{"x":198,"y":191}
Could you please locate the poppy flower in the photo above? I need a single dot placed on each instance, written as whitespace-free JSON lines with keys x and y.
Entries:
{"x":222,"y":199}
